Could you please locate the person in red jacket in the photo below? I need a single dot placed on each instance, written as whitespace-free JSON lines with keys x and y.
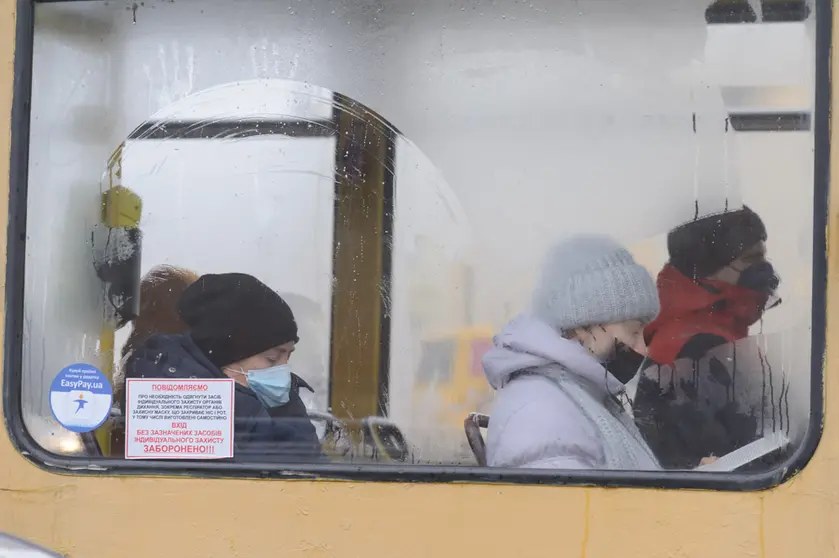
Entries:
{"x":716,"y":284}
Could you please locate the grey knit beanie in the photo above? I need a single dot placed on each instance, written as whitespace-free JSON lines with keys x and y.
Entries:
{"x":593,"y":280}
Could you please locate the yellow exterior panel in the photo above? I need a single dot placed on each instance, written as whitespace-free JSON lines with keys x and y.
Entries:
{"x":90,"y":517}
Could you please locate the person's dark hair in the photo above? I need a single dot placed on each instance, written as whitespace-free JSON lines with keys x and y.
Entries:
{"x":160,"y":290}
{"x":702,"y":247}
{"x":233,"y":316}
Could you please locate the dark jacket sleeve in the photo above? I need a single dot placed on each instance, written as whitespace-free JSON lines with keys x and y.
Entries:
{"x":698,"y":345}
{"x":268,"y":439}
{"x":260,"y":437}
{"x":668,"y":428}
{"x":680,"y":421}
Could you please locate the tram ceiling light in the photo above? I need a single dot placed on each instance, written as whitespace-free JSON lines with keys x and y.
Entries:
{"x":743,"y":11}
{"x":765,"y":100}
{"x":771,"y":122}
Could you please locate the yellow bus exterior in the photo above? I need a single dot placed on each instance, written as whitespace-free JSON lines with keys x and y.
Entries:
{"x":96,"y":516}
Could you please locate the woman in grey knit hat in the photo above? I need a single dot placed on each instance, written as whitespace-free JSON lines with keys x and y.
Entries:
{"x":560,"y":371}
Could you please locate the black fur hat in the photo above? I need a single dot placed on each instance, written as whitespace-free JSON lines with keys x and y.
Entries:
{"x":703,"y":247}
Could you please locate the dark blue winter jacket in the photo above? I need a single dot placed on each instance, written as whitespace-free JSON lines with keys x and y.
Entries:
{"x":258,"y":436}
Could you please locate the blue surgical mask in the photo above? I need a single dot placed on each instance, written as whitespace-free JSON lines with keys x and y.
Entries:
{"x":271,"y":385}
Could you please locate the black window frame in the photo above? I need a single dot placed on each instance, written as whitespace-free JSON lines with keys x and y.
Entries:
{"x":13,"y":341}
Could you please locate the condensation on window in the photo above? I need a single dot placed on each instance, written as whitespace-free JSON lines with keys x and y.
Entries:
{"x":398,"y":173}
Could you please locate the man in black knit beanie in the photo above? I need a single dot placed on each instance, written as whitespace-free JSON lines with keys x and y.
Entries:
{"x":690,"y":404}
{"x":241,"y":329}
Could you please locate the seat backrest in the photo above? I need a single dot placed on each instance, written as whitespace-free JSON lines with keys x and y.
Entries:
{"x":472,"y":427}
{"x":385,"y":438}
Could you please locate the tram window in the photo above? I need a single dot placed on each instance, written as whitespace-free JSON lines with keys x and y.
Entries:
{"x":369,"y":225}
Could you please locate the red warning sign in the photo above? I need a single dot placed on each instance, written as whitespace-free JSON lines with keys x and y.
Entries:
{"x":179,"y":419}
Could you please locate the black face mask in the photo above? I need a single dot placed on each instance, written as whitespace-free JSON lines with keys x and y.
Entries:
{"x":760,"y":277}
{"x":624,"y":362}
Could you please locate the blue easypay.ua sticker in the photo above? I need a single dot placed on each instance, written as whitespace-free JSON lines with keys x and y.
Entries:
{"x":80,"y":398}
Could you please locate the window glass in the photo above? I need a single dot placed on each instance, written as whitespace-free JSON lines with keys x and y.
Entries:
{"x":350,"y":231}
{"x":436,"y":362}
